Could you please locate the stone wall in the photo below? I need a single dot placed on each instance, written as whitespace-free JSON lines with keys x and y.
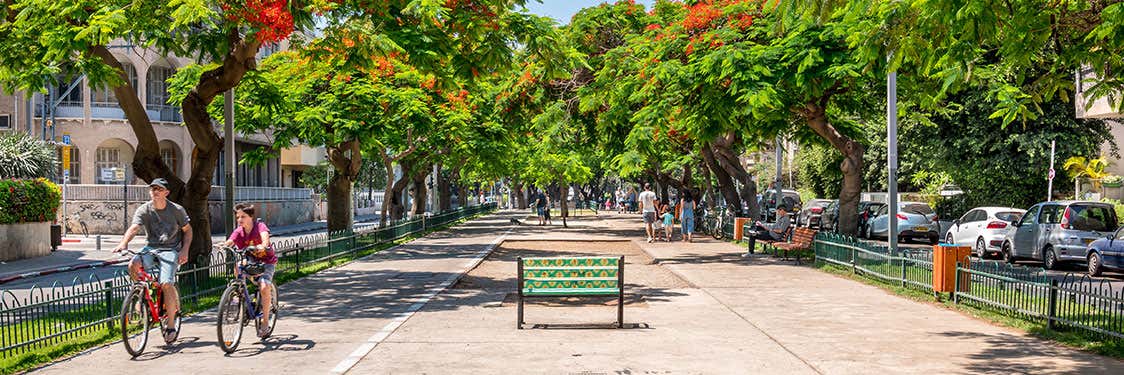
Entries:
{"x":24,"y":240}
{"x":102,"y":217}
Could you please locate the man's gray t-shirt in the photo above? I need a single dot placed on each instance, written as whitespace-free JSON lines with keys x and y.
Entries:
{"x":782,"y":223}
{"x":162,"y":227}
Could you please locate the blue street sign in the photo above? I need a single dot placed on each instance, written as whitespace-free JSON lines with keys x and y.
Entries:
{"x":66,"y":139}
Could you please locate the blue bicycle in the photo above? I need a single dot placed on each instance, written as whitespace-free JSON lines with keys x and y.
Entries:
{"x":238,"y":306}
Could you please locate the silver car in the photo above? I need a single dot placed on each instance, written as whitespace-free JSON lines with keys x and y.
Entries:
{"x":984,"y":229}
{"x":1056,"y":232}
{"x":812,"y":213}
{"x":916,"y":220}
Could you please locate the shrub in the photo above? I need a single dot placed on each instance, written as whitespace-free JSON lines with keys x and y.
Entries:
{"x":24,"y":156}
{"x":28,"y":201}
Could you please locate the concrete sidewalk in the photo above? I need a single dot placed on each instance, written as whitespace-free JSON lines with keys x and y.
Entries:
{"x":739,"y":316}
{"x":325,"y":318}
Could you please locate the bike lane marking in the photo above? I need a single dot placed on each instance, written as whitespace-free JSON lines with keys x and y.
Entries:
{"x":366,"y":348}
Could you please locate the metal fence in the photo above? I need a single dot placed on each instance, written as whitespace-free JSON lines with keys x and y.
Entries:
{"x":1091,"y":307}
{"x":139,"y":193}
{"x":91,"y":306}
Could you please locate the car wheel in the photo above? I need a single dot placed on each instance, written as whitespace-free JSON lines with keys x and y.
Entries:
{"x":1095,"y":264}
{"x":948,"y":239}
{"x":1008,"y":256}
{"x":933,"y":240}
{"x":1049,"y":259}
{"x":981,"y":251}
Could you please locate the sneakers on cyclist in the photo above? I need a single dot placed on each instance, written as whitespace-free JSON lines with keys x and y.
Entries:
{"x":263,"y":331}
{"x":170,"y":335}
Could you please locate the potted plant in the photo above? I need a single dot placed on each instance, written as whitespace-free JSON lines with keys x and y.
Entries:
{"x":1113,"y":181}
{"x":28,"y":201}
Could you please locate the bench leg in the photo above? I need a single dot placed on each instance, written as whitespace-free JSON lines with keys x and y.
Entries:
{"x":620,"y":311}
{"x":519,"y":314}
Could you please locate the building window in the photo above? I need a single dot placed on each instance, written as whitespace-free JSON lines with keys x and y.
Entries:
{"x":157,"y":98}
{"x":109,"y":158}
{"x":5,"y":122}
{"x":168,"y":155}
{"x":104,"y":96}
{"x":75,"y":165}
{"x":72,"y":98}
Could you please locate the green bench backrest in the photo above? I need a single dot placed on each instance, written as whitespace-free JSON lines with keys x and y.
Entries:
{"x":570,"y":273}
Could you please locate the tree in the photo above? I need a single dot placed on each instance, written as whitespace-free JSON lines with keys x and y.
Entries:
{"x":46,"y":42}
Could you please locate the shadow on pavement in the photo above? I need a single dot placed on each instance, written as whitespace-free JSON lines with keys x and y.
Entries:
{"x":1006,"y":354}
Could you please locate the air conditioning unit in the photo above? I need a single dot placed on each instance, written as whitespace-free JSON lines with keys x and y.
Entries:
{"x":5,"y":121}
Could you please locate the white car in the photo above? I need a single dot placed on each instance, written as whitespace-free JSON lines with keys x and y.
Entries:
{"x":984,"y":229}
{"x":916,"y":220}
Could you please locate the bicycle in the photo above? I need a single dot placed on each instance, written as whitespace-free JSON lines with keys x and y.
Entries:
{"x":142,"y":306}
{"x":237,"y":304}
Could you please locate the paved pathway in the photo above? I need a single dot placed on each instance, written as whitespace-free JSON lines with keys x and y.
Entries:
{"x":737,"y":316}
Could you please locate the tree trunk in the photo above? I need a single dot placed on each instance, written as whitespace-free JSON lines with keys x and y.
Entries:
{"x":708,"y":188}
{"x":387,"y":192}
{"x":421,"y":192}
{"x":520,"y":196}
{"x":727,"y":159}
{"x":725,"y":183}
{"x":852,"y":166}
{"x":346,"y":161}
{"x":564,"y":192}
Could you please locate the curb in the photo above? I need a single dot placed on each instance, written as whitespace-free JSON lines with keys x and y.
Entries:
{"x":10,"y":278}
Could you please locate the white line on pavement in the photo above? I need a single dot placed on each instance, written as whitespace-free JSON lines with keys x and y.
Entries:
{"x":366,"y":348}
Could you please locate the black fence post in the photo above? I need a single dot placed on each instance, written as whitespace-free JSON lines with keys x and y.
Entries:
{"x":852,"y":261}
{"x":109,"y":304}
{"x":954,"y":296}
{"x":1052,"y":309}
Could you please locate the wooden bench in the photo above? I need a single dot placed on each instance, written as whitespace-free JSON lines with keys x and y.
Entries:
{"x":768,"y":243}
{"x":571,"y":277}
{"x":801,"y":242}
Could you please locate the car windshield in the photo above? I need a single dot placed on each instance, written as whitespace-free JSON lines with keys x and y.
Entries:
{"x":1096,"y":218}
{"x":1010,"y":217}
{"x":917,"y":209}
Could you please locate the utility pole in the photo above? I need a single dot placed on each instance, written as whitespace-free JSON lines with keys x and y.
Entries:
{"x":1050,"y":176}
{"x":228,"y":160}
{"x":892,"y":157}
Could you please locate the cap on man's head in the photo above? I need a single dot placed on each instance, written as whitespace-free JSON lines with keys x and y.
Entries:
{"x":159,"y":182}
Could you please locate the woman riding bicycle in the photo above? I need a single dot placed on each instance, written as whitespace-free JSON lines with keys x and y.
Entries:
{"x":254,"y":236}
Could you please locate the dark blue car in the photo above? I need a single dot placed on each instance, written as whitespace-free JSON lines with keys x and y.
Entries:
{"x":1106,"y":253}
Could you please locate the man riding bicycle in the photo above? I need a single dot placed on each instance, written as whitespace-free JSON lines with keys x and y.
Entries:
{"x":253,"y":236}
{"x":168,"y":231}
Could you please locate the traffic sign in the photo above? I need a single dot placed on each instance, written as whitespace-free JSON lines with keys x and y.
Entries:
{"x":66,"y":139}
{"x":1051,"y":176}
{"x":66,"y":157}
{"x":118,"y":174}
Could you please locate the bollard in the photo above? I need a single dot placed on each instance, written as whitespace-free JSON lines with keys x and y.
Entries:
{"x":99,"y":242}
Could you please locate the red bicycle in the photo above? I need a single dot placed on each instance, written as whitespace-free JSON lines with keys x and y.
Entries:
{"x":144,"y":309}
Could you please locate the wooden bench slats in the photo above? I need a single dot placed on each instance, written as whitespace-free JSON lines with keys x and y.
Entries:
{"x":577,"y":276}
{"x":568,"y":291}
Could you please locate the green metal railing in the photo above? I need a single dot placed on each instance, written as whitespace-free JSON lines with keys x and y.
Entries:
{"x":1090,"y":306}
{"x":90,"y":306}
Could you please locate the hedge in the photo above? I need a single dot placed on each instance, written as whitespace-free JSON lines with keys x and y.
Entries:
{"x":27,"y":201}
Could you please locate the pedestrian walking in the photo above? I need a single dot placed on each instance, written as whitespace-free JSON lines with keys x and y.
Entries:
{"x":648,"y":208}
{"x":668,"y":222}
{"x":686,"y":208}
{"x":540,"y":206}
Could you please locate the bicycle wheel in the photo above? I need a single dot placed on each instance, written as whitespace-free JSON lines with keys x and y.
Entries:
{"x":135,"y":322}
{"x":716,"y":232}
{"x":272,"y":313}
{"x":232,"y":314}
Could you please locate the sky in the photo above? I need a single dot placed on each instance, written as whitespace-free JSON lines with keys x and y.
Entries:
{"x":562,"y":10}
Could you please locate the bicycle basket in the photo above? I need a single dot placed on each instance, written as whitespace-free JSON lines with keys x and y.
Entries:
{"x":254,"y":269}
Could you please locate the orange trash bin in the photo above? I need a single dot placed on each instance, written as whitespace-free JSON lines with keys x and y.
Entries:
{"x":945,"y":257}
{"x":739,"y":223}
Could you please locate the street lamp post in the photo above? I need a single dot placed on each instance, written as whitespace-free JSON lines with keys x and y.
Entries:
{"x":892,"y":157}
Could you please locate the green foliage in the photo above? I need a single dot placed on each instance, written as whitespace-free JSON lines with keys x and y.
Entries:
{"x":316,"y":178}
{"x":999,"y":166}
{"x":24,"y":156}
{"x":28,"y":201}
{"x":818,"y":168}
{"x":1082,"y":167}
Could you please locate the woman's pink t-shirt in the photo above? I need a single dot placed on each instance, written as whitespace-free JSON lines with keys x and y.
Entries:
{"x":242,"y":239}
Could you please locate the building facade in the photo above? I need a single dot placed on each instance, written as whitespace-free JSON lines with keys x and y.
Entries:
{"x":103,"y":143}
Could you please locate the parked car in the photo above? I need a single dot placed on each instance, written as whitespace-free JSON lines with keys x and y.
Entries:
{"x":1105,"y":253}
{"x":866,"y":211}
{"x":1060,"y":231}
{"x":812,"y":213}
{"x":916,"y":220}
{"x":984,"y":229}
{"x":790,"y":198}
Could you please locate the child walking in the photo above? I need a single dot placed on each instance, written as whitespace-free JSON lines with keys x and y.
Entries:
{"x":668,"y":222}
